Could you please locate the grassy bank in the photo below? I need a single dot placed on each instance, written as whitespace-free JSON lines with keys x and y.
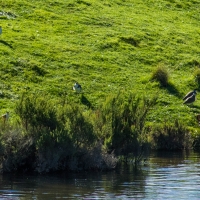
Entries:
{"x":46,"y":46}
{"x":105,"y":46}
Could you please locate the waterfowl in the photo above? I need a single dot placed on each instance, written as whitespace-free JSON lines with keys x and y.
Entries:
{"x":77,"y":87}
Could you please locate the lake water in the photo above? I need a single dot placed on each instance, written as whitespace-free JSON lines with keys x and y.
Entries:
{"x":172,"y":175}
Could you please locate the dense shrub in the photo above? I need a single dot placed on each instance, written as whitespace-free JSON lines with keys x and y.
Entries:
{"x":17,"y":151}
{"x":121,"y":124}
{"x":79,"y":128}
{"x":64,"y":135}
{"x":37,"y":111}
{"x":171,"y":137}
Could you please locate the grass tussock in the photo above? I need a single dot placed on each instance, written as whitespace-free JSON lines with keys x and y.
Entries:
{"x":161,"y":75}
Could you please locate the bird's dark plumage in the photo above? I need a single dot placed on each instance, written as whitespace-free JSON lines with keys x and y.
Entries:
{"x":190,"y":94}
{"x":190,"y":99}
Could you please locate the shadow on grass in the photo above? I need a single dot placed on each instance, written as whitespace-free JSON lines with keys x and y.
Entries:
{"x":173,"y":90}
{"x":5,"y":43}
{"x":86,"y":102}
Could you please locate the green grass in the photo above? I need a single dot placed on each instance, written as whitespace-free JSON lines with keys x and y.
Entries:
{"x":106,"y":46}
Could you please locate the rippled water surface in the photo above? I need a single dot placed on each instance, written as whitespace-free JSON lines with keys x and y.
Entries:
{"x":165,"y":176}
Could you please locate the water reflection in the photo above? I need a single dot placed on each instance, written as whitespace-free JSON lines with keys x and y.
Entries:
{"x":123,"y":183}
{"x":172,"y":175}
{"x":163,"y":158}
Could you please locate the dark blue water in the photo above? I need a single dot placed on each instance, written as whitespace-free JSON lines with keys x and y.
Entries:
{"x":165,"y":176}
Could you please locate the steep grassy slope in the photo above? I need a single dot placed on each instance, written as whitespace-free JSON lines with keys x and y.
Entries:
{"x":104,"y":45}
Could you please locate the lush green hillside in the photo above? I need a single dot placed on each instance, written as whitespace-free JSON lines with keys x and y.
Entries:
{"x":106,"y":46}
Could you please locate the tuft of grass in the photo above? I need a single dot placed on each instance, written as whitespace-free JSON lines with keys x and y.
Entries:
{"x":161,"y":75}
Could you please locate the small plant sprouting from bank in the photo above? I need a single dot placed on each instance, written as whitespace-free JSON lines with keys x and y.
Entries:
{"x":161,"y":75}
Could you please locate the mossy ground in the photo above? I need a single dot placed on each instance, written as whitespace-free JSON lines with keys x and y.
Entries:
{"x":106,"y":46}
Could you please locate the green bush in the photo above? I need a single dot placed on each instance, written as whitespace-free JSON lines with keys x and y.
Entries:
{"x":171,"y":137}
{"x":54,"y":150}
{"x":122,"y":124}
{"x":62,"y":133}
{"x":37,"y":111}
{"x":79,"y":128}
{"x":17,"y":151}
{"x":161,"y":75}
